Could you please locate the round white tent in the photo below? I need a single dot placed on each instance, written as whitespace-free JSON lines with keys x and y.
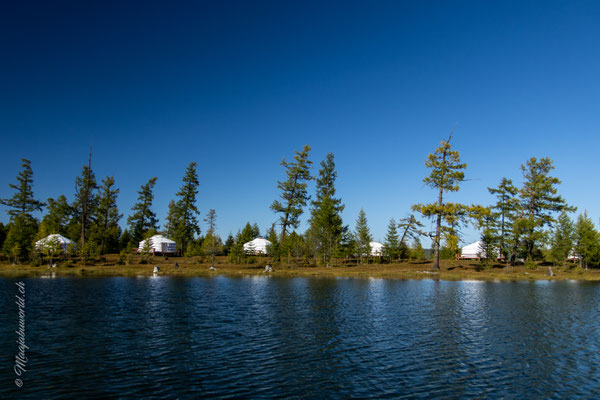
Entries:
{"x":159,"y":244}
{"x":376,"y":248}
{"x":48,"y":240}
{"x":257,"y":246}
{"x":473,"y":251}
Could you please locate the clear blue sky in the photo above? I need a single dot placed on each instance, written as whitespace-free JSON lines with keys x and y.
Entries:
{"x":236,"y":86}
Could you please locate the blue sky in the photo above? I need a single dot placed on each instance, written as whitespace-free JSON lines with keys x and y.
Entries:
{"x":236,"y":86}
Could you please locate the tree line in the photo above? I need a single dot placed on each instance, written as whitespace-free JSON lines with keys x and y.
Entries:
{"x":527,"y":223}
{"x":92,"y":219}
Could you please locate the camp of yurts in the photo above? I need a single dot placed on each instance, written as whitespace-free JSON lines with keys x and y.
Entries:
{"x":257,"y":246}
{"x":64,"y":242}
{"x":159,"y":244}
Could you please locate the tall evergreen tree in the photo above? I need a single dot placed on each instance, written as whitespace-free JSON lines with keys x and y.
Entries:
{"x":237,"y":254}
{"x":57,"y":218}
{"x":143,"y":218}
{"x":446,"y":176}
{"x":562,"y":240}
{"x":86,"y":201}
{"x":506,"y":209}
{"x":255,"y":231}
{"x":294,"y":194}
{"x":391,"y":246}
{"x":23,"y":225}
{"x":248,"y":233}
{"x":486,"y":220}
{"x":185,"y":211}
{"x":273,"y":249}
{"x":363,"y":236}
{"x":228,"y":244}
{"x":23,"y":201}
{"x":587,"y":241}
{"x":326,"y":225}
{"x":108,"y":216}
{"x":539,"y":201}
{"x":172,"y":218}
{"x":211,"y":243}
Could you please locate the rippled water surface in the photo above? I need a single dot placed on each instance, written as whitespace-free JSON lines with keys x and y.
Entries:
{"x":302,"y":338}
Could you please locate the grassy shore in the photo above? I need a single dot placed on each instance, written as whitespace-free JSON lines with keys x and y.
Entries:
{"x":450,"y":270}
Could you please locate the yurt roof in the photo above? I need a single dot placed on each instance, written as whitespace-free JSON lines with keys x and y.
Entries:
{"x":473,"y":246}
{"x":160,"y":239}
{"x":60,"y":238}
{"x":259,"y":241}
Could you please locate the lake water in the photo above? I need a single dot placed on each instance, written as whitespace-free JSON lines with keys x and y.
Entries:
{"x":264,"y":337}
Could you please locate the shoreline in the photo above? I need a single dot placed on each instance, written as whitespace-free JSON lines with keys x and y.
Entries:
{"x":450,"y":271}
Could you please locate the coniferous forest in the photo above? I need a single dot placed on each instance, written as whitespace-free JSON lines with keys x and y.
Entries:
{"x":531,"y":225}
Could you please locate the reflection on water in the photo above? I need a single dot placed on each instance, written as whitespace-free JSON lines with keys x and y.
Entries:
{"x":165,"y":337}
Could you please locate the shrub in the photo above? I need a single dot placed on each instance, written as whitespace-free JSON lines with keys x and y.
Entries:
{"x":36,"y":260}
{"x":122,"y":257}
{"x":529,"y":264}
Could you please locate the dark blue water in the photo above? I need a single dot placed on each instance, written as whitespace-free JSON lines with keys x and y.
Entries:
{"x":263,"y":337}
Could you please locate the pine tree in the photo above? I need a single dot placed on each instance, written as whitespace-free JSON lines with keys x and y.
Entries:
{"x":255,"y":231}
{"x":228,"y":244}
{"x":108,"y":216}
{"x":539,"y":201}
{"x":23,"y":202}
{"x":237,"y":254}
{"x":562,"y":240}
{"x":143,"y":218}
{"x":247,"y":233}
{"x":147,"y":248}
{"x":587,"y":241}
{"x":347,"y":246}
{"x":211,"y":243}
{"x":486,"y":220}
{"x":417,"y":251}
{"x":273,"y":248}
{"x":125,"y":241}
{"x":172,"y":219}
{"x":325,"y":223}
{"x":23,"y":226}
{"x":86,"y":201}
{"x":391,"y":246}
{"x":446,"y":176}
{"x":506,"y":209}
{"x":57,"y":218}
{"x":294,"y":194}
{"x":362,"y":236}
{"x":184,"y":213}
{"x":403,"y":251}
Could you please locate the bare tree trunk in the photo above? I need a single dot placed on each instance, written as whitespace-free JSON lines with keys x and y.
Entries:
{"x":438,"y":228}
{"x":436,"y":243}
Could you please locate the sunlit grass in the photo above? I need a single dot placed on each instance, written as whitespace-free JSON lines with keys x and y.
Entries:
{"x":450,"y":270}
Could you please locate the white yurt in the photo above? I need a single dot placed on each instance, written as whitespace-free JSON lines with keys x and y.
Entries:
{"x":376,"y":248}
{"x":573,"y":256}
{"x":64,"y":242}
{"x":159,"y":244}
{"x":257,"y":246}
{"x":473,"y":251}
